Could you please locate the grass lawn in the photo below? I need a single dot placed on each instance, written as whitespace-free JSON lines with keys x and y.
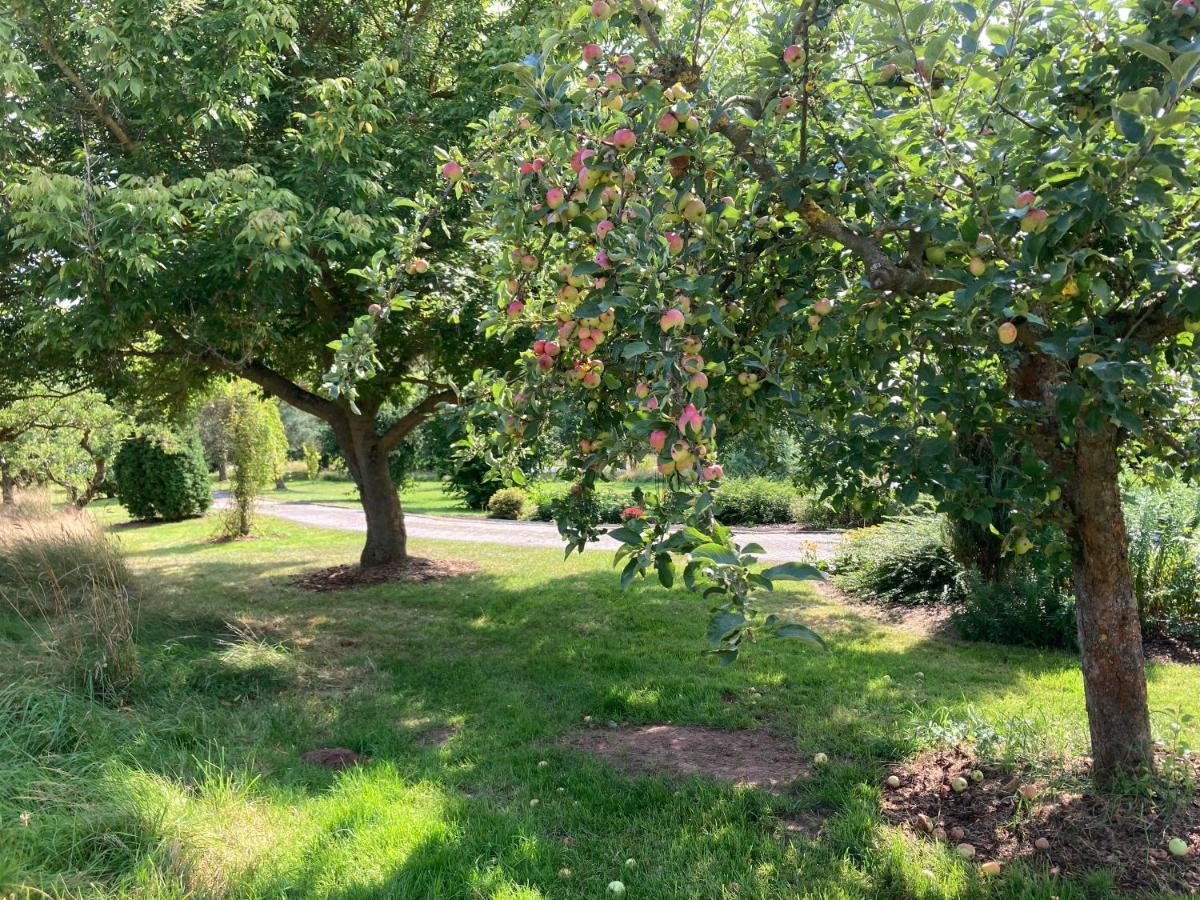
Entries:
{"x":195,"y":787}
{"x":423,"y":496}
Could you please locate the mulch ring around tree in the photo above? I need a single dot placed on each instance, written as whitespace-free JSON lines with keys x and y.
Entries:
{"x":746,"y":758}
{"x":1060,"y":827}
{"x":415,"y":569}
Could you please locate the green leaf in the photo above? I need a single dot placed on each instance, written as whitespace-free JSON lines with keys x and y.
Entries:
{"x":724,"y":623}
{"x":1152,"y":51}
{"x":631,"y":569}
{"x":800,"y":632}
{"x":666,"y":569}
{"x":794,"y":571}
{"x":636,"y":348}
{"x":717,"y":553}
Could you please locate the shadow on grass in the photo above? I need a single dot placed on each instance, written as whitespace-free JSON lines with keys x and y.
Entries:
{"x":517,"y":664}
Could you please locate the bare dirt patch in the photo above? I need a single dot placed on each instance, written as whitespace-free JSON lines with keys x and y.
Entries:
{"x":415,"y":569}
{"x":335,"y":758}
{"x":436,"y":735}
{"x":929,"y":620}
{"x":747,"y":758}
{"x":1061,"y":826}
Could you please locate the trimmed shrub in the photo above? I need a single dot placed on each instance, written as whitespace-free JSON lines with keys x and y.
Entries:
{"x":162,"y":479}
{"x":903,"y":560}
{"x":508,"y":503}
{"x":610,"y":499}
{"x":754,"y":501}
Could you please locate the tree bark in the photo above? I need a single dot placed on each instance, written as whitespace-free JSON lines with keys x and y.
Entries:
{"x":8,"y":484}
{"x":222,"y":470}
{"x":1110,"y":632}
{"x":367,"y":459}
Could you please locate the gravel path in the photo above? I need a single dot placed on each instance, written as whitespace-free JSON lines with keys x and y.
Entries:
{"x":780,"y":546}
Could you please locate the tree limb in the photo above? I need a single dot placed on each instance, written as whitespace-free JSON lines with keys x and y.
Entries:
{"x":414,"y":417}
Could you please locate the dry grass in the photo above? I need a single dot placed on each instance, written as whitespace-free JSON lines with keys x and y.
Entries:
{"x":68,"y":581}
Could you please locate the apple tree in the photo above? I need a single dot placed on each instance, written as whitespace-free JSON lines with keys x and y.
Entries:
{"x":958,"y":238}
{"x":220,"y":189}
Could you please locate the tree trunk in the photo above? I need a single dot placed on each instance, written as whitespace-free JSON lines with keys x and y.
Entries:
{"x":1110,"y":633}
{"x":8,"y":485}
{"x":280,"y":484}
{"x":93,"y":486}
{"x":222,"y":470}
{"x":387,"y":540}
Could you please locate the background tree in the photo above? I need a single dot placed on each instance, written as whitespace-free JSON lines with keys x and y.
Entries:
{"x":251,"y":428}
{"x":221,"y":189}
{"x":959,"y":236}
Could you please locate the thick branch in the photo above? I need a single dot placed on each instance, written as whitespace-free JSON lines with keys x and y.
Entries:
{"x":85,"y":94}
{"x":883,"y":272}
{"x":414,"y":417}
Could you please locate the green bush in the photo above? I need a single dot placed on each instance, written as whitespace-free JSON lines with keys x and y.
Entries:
{"x":162,"y":478}
{"x":610,"y":499}
{"x":508,"y":503}
{"x":754,"y":501}
{"x":903,"y":560}
{"x":1162,"y":522}
{"x":1030,"y":607}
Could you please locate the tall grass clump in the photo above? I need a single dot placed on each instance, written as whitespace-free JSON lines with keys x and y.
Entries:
{"x":68,"y":581}
{"x":903,"y":560}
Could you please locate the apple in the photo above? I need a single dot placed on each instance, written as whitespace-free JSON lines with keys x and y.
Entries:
{"x":658,"y":439}
{"x":966,"y":851}
{"x":1028,"y":791}
{"x":516,"y":308}
{"x":959,"y":784}
{"x":418,"y":266}
{"x":601,"y":10}
{"x":613,"y":79}
{"x":555,"y":197}
{"x":674,"y":243}
{"x":668,"y":124}
{"x":624,"y":139}
{"x":991,"y":867}
{"x":452,"y":171}
{"x":694,"y":210}
{"x":601,"y":259}
{"x":977,"y":266}
{"x":698,"y":382}
{"x":936,"y":254}
{"x":529,"y":262}
{"x":1024,"y":199}
{"x":1042,"y":844}
{"x":642,"y":391}
{"x":1034,"y":220}
{"x":893,"y":781}
{"x":713,"y":472}
{"x":671,"y":319}
{"x":1178,"y":847}
{"x":1007,"y":333}
{"x":786,"y":104}
{"x":544,"y":362}
{"x":592,"y":52}
{"x":589,"y":178}
{"x":603,"y":227}
{"x":592,"y":81}
{"x":526,"y":169}
{"x":579,"y":157}
{"x":823,"y":307}
{"x":976,"y":776}
{"x":793,"y":56}
{"x":534,"y":802}
{"x":616,"y":888}
{"x":551,"y":349}
{"x":820,"y":759}
{"x":888,"y":72}
{"x":626,"y":63}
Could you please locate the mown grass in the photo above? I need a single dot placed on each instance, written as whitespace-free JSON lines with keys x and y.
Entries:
{"x":422,"y":496}
{"x":195,"y":787}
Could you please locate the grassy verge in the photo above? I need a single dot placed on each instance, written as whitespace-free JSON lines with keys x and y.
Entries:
{"x":195,"y":787}
{"x":422,"y":496}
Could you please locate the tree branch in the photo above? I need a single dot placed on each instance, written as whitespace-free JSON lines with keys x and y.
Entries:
{"x":414,"y":417}
{"x":85,"y":94}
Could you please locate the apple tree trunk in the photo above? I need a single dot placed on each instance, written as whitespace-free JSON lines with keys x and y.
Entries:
{"x":1110,"y":633}
{"x":387,"y":540}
